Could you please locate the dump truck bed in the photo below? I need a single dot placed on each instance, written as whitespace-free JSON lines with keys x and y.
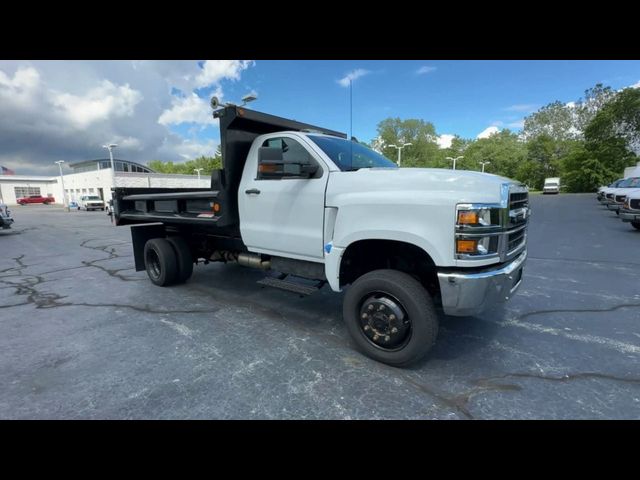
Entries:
{"x":168,"y":205}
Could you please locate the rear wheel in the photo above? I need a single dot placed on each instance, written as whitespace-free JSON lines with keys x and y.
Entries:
{"x":184,"y":258}
{"x":161,"y":262}
{"x":391,"y":317}
{"x":636,"y":225}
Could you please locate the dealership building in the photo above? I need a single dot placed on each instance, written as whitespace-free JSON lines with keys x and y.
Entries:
{"x":93,"y":177}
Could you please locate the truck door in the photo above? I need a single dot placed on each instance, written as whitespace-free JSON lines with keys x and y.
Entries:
{"x":283,"y":216}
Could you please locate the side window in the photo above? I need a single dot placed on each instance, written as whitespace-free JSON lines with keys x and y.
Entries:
{"x":293,"y":151}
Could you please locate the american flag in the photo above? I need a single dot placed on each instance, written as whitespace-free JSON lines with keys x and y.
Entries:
{"x":7,"y":171}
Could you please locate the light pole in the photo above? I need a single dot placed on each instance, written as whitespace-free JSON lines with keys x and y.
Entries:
{"x":110,"y":147}
{"x":399,"y":148}
{"x":455,"y":160}
{"x":198,"y":170}
{"x":64,"y":192}
{"x":483,"y":164}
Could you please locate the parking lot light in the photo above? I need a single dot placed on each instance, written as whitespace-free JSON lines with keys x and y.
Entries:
{"x":64,"y":192}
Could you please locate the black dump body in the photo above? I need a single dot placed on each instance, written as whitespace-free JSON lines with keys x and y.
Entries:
{"x":193,"y":209}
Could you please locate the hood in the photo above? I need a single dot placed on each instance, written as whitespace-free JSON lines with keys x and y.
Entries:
{"x":468,"y":186}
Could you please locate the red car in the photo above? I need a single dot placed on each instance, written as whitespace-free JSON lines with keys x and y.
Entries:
{"x":36,"y":199}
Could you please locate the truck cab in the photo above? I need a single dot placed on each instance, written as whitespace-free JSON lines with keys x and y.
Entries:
{"x":90,"y":202}
{"x":304,"y":202}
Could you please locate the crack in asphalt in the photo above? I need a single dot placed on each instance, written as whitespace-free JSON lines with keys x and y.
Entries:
{"x":28,"y":283}
{"x":112,"y":255}
{"x":577,"y":310}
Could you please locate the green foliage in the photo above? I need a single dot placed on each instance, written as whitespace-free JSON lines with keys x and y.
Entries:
{"x":187,"y":168}
{"x":556,"y":120}
{"x":423,"y":151}
{"x":504,"y":150}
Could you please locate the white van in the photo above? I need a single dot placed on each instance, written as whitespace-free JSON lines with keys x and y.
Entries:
{"x":551,"y":185}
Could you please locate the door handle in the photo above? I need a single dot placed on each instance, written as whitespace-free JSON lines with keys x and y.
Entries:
{"x":252,"y":191}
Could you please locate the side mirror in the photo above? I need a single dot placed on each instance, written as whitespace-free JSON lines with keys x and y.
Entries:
{"x":272,"y":165}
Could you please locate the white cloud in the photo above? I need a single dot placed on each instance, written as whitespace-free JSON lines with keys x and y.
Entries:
{"x":426,"y":69}
{"x":213,"y":71}
{"x":522,"y":107}
{"x":186,"y":109}
{"x":51,"y":110}
{"x":487,"y":132}
{"x":98,"y":104}
{"x":190,"y":148}
{"x":352,"y":76}
{"x":570,"y":104}
{"x":444,"y":140}
{"x":635,"y":85}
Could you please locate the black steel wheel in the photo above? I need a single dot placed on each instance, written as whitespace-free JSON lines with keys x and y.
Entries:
{"x":391,"y":317}
{"x":161,"y":262}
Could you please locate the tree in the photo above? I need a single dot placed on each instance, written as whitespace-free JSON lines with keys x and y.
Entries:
{"x":555,"y":120}
{"x":424,"y":150}
{"x":595,"y":99}
{"x":504,"y":150}
{"x":187,"y":168}
{"x":620,"y":118}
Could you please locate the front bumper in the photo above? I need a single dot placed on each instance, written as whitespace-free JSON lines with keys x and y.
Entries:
{"x":465,"y":294}
{"x":614,"y":206}
{"x":629,"y":215}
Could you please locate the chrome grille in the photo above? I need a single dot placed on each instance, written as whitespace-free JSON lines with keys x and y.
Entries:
{"x":518,"y":200}
{"x":620,"y":198}
{"x":515,"y":239}
{"x":609,"y":196}
{"x":635,"y":203}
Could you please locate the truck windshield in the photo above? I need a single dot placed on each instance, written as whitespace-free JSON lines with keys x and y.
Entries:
{"x":340,"y":150}
{"x":95,"y":197}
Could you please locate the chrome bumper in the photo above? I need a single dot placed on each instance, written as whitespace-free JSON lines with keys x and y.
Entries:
{"x":614,"y":206}
{"x":629,"y":216}
{"x":465,"y":294}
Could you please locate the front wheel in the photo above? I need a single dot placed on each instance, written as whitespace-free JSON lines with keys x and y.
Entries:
{"x":636,"y":225}
{"x":391,"y":317}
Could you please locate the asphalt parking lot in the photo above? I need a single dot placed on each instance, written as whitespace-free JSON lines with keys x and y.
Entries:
{"x":82,"y":335}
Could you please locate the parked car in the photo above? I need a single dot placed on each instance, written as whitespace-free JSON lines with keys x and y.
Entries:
{"x":305,"y":202}
{"x":617,"y":196}
{"x":601,"y":191}
{"x":630,"y":211}
{"x":90,"y":202}
{"x":551,"y":185}
{"x":35,"y":199}
{"x":5,"y":217}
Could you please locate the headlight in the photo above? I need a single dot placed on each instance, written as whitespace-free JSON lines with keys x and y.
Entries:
{"x":478,"y":229}
{"x":481,"y":245}
{"x":477,"y":216}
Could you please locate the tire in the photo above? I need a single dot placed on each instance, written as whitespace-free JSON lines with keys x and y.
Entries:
{"x":161,"y":262}
{"x":636,"y":225}
{"x":397,"y":292}
{"x":184,"y":258}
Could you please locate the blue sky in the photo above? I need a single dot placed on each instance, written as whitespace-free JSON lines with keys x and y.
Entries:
{"x":159,"y":109}
{"x":459,"y":97}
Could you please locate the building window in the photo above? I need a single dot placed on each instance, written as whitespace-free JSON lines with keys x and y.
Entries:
{"x":91,"y":190}
{"x":26,"y":191}
{"x":84,"y":190}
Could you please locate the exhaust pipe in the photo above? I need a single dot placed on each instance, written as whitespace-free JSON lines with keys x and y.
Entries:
{"x":253,"y":260}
